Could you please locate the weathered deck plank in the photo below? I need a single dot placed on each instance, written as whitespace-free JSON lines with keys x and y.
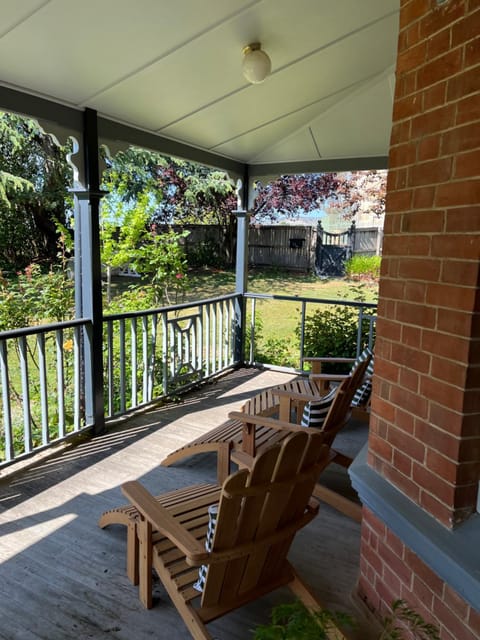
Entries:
{"x":63,"y":577}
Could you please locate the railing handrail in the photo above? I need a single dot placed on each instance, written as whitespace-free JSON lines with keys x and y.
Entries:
{"x":43,"y":328}
{"x":170,"y":308}
{"x":146,"y":355}
{"x":276,"y":296}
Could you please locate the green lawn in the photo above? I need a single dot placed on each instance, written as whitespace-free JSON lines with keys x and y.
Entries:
{"x":279,"y":318}
{"x":209,"y":283}
{"x":276,"y":320}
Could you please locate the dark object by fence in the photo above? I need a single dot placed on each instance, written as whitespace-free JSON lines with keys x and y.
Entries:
{"x":332,"y":251}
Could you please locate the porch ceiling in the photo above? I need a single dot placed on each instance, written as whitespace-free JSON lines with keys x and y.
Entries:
{"x":174,"y":69}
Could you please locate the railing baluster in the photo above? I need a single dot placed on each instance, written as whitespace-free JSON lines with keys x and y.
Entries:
{"x":134,"y":360}
{"x":123,"y":364}
{"x":7,"y":412}
{"x":59,"y":350}
{"x":42,"y":371}
{"x":110,"y":368}
{"x":207,"y":312}
{"x":27,"y":416}
{"x":302,"y":332}
{"x":165,"y":354}
{"x":79,"y":397}
{"x":252,"y":333}
{"x":145,"y":358}
{"x":214,"y":338}
{"x":153,"y":346}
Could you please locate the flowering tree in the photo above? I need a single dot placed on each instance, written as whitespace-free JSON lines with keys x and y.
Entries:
{"x":361,"y":191}
{"x":292,"y":194}
{"x":350,"y":193}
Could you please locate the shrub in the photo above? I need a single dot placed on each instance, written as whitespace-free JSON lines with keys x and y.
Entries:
{"x":277,"y":351}
{"x":363,"y":267}
{"x":293,"y":621}
{"x":331,"y":333}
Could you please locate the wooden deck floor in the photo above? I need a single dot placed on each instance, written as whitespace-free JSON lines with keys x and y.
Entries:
{"x":63,"y":578}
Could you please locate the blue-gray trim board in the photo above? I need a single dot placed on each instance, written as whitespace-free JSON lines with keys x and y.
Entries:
{"x":454,"y":555}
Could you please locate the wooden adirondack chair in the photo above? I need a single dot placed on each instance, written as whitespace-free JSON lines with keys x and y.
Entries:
{"x":259,"y":512}
{"x":227,"y":439}
{"x":323,"y":381}
{"x":336,"y":417}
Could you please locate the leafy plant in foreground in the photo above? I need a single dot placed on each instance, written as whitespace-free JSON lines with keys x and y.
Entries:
{"x":408,"y":618}
{"x":294,"y":621}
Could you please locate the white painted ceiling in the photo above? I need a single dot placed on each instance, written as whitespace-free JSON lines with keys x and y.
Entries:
{"x":173,"y":67}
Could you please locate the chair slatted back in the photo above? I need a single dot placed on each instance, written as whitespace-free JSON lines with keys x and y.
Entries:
{"x":268,"y":501}
{"x":341,"y":406}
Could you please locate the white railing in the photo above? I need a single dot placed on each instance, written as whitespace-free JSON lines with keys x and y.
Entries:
{"x":152,"y":354}
{"x":303,"y":307}
{"x":42,"y":387}
{"x":147,"y":356}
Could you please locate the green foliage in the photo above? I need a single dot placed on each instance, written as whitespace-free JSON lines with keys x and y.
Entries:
{"x":206,"y":254}
{"x":162,"y":260}
{"x":363,"y":267}
{"x":34,"y":180}
{"x":294,"y":621}
{"x":129,"y":239}
{"x":405,"y":618}
{"x":34,"y":297}
{"x":135,"y":298}
{"x":331,"y":333}
{"x":277,"y":351}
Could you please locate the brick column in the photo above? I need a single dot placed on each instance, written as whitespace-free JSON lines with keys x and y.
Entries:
{"x":425,"y":426}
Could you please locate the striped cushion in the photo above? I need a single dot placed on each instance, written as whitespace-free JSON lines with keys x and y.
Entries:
{"x":212,"y":521}
{"x":316,"y":411}
{"x":362,"y":394}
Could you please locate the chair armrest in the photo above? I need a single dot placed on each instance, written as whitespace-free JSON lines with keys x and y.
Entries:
{"x":294,"y":395}
{"x":263,"y":421}
{"x":333,"y":377}
{"x":164,"y":522}
{"x":341,"y":360}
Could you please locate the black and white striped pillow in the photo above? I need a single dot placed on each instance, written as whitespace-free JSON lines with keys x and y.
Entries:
{"x":362,"y":394}
{"x":316,"y":411}
{"x":212,"y":522}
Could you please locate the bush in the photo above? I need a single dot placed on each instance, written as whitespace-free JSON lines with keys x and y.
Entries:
{"x":276,"y":351}
{"x":363,"y":267}
{"x":331,"y":333}
{"x":293,"y":621}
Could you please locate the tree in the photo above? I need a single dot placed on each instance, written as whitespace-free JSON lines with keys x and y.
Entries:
{"x":131,"y":239}
{"x":361,"y":191}
{"x":34,"y":198}
{"x":349,"y":192}
{"x":177,"y":192}
{"x":293,"y":194}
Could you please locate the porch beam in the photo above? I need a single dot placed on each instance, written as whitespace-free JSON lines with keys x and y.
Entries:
{"x":275,"y":169}
{"x":121,"y":133}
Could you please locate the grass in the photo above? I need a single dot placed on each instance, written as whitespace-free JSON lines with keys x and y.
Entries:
{"x":208,"y":283}
{"x":279,"y":318}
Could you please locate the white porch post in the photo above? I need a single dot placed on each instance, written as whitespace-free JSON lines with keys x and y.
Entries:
{"x":88,"y":277}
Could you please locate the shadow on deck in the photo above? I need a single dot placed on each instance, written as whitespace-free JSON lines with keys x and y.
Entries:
{"x":64,"y":578}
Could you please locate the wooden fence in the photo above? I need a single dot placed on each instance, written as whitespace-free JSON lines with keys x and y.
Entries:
{"x":287,"y":246}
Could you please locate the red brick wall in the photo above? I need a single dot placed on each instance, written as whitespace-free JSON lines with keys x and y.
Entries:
{"x":425,"y":426}
{"x":390,"y":570}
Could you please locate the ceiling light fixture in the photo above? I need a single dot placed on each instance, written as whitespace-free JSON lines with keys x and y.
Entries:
{"x":256,"y":64}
